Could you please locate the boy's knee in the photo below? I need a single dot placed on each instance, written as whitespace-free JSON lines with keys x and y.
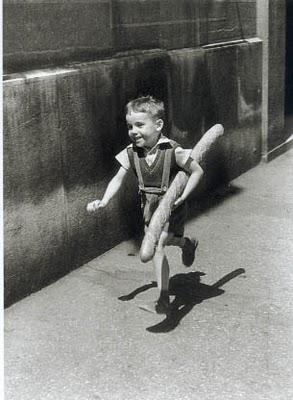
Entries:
{"x":160,"y":248}
{"x":164,"y":240}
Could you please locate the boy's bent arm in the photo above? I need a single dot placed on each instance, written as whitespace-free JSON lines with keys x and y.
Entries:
{"x":196,"y":173}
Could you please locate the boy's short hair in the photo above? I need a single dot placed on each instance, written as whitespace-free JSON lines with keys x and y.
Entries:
{"x":147,"y":104}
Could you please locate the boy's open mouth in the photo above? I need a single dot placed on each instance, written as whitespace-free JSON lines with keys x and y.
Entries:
{"x":137,"y":140}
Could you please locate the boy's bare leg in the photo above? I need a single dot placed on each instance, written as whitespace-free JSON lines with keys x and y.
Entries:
{"x":162,"y":272}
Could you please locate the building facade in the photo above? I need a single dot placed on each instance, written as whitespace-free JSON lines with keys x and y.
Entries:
{"x":70,"y":67}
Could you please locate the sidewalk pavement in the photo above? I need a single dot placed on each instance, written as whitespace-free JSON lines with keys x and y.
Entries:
{"x":230,"y":335}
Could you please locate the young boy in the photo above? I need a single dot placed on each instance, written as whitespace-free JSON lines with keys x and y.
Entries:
{"x":155,"y":159}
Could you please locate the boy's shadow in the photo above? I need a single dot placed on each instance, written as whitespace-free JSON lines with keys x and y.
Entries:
{"x":188,"y":291}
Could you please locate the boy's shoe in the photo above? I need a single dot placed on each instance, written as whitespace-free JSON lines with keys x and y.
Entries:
{"x":188,"y":251}
{"x":162,"y":305}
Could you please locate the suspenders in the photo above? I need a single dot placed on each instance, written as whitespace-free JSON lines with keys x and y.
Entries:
{"x":165,"y":175}
{"x":166,"y":170}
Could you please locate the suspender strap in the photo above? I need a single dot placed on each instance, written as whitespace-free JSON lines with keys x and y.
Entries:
{"x":133,"y":157}
{"x":166,"y":170}
{"x":138,"y":171}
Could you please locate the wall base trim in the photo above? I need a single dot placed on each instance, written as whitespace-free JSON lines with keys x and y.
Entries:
{"x":277,"y":151}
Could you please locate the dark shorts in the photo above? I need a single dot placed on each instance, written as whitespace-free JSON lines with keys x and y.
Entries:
{"x":176,"y":221}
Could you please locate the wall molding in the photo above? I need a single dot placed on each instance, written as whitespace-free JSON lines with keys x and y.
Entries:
{"x":277,"y":151}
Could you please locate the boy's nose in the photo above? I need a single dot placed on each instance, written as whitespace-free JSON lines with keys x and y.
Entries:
{"x":133,"y":131}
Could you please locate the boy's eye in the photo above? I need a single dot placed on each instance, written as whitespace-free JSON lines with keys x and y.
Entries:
{"x":137,"y":125}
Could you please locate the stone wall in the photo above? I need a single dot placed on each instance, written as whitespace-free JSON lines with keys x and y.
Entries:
{"x":41,"y":34}
{"x":271,"y":28}
{"x":71,"y":66}
{"x":63,"y":127}
{"x":276,"y":98}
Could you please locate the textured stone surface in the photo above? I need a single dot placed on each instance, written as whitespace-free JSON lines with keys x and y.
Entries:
{"x":64,"y":126}
{"x":223,"y":20}
{"x":276,"y":98}
{"x":33,"y":194}
{"x":76,"y":340}
{"x":220,"y":84}
{"x":41,"y":33}
{"x":62,"y":130}
{"x":190,"y":92}
{"x":271,"y":25}
{"x":38,"y":34}
{"x":159,"y":23}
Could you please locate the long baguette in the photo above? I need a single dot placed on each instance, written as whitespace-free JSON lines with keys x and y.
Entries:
{"x":163,"y":212}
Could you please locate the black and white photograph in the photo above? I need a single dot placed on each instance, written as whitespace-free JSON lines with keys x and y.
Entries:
{"x":147,"y":200}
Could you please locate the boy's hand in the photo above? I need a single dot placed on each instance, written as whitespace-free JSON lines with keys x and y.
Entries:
{"x":178,"y":202}
{"x":95,"y":205}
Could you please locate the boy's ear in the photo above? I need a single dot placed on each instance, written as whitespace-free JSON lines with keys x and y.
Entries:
{"x":159,"y":124}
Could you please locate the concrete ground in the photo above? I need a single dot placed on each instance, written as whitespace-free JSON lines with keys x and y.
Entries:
{"x":230,"y":335}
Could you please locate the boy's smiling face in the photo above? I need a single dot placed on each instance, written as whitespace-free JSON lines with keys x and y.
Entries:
{"x":143,"y":129}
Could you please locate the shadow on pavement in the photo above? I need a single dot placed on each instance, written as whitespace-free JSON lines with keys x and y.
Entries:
{"x":141,"y":289}
{"x":212,"y":199}
{"x":188,"y":291}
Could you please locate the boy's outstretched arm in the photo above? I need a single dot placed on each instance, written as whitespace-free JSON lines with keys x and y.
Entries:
{"x":113,"y":186}
{"x":196,"y":173}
